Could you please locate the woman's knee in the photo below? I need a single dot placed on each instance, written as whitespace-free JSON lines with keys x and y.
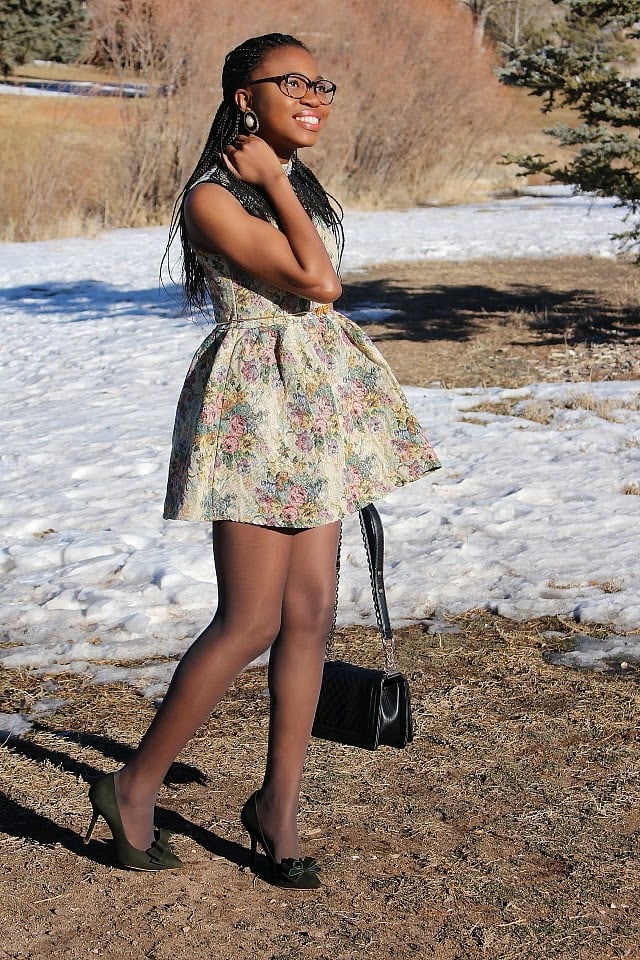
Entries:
{"x":311,"y":615}
{"x":253,"y":633}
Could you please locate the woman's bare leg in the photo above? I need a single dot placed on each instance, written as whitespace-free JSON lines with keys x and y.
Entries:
{"x":252,"y":566}
{"x":295,"y":674}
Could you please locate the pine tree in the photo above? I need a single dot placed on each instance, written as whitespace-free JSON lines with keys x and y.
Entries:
{"x":47,"y":29}
{"x":585,"y":65}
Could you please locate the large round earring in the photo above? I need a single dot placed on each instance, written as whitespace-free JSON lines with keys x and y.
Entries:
{"x":251,"y":122}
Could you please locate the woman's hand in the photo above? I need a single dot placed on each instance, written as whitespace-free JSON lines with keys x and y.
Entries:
{"x":252,"y":159}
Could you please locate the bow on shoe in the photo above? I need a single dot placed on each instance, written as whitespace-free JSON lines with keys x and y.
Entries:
{"x":295,"y":870}
{"x":160,"y":853}
{"x":160,"y":839}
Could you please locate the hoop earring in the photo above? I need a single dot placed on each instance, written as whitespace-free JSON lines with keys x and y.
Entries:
{"x":251,"y":122}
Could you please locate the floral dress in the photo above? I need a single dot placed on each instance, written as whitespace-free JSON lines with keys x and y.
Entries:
{"x":289,"y":416}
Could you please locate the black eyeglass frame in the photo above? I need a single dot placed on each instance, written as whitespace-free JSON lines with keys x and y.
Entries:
{"x":311,"y":85}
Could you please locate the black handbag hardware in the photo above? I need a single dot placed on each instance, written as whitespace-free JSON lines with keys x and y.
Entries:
{"x":359,"y":706}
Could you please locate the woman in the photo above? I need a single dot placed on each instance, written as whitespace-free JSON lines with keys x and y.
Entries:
{"x":289,"y":420}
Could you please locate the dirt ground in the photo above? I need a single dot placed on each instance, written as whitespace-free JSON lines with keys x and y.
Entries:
{"x":508,"y":829}
{"x":503,"y":323}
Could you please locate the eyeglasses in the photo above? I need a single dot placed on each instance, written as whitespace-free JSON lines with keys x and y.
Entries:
{"x":296,"y":85}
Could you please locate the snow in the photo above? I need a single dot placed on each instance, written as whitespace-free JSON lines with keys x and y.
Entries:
{"x":12,"y":90}
{"x":525,"y":518}
{"x":535,"y":227}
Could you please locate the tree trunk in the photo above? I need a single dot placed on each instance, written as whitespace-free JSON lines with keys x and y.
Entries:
{"x":480,"y":18}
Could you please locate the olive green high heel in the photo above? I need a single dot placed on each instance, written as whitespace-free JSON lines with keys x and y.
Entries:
{"x":159,"y":856}
{"x":294,"y":874}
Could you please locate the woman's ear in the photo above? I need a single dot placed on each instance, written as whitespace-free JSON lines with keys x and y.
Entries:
{"x":242,"y":99}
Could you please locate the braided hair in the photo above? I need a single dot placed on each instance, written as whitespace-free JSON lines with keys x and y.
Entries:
{"x":238,"y":65}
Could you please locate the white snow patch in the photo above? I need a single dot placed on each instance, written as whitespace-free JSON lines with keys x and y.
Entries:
{"x":524,"y":518}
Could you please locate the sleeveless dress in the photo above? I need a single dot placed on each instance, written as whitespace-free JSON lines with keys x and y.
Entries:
{"x":289,"y":416}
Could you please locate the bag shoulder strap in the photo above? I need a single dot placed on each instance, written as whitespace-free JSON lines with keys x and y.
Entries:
{"x":373,"y":536}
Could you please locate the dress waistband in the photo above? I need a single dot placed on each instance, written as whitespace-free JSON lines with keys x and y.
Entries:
{"x":271,"y":320}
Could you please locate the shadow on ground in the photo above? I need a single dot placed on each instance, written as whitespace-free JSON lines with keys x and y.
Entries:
{"x":455,"y":301}
{"x":22,"y":821}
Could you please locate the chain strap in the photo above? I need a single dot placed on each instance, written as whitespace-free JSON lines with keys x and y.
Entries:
{"x":379,"y":599}
{"x":329,"y":649}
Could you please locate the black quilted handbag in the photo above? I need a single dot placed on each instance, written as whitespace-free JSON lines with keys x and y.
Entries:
{"x":359,"y":706}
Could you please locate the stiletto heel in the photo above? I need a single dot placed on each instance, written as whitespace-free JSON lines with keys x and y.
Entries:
{"x":94,"y":820}
{"x":294,"y":874}
{"x":103,"y":800}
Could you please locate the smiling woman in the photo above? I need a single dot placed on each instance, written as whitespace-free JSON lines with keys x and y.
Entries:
{"x":286,"y":116}
{"x":271,"y":109}
{"x":288,"y":421}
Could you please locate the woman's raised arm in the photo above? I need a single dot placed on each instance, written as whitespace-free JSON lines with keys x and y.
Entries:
{"x":293,"y":258}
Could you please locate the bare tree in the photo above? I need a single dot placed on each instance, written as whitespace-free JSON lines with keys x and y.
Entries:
{"x":507,"y":21}
{"x":480,"y":11}
{"x":512,"y":22}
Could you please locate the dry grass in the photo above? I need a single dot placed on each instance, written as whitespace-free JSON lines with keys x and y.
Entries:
{"x":506,"y":830}
{"x":601,"y":408}
{"x":76,"y":165}
{"x":54,"y":160}
{"x":607,"y":586}
{"x":537,"y":411}
{"x":632,"y":489}
{"x":48,"y":70}
{"x":542,"y":411}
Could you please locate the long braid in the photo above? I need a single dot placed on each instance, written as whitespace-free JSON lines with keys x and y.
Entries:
{"x":236,"y":70}
{"x":316,"y":201}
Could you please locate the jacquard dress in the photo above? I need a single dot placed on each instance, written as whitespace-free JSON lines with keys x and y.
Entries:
{"x":289,"y":416}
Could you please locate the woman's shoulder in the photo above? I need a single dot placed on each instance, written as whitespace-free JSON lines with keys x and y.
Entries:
{"x":216,"y":174}
{"x":249,"y":197}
